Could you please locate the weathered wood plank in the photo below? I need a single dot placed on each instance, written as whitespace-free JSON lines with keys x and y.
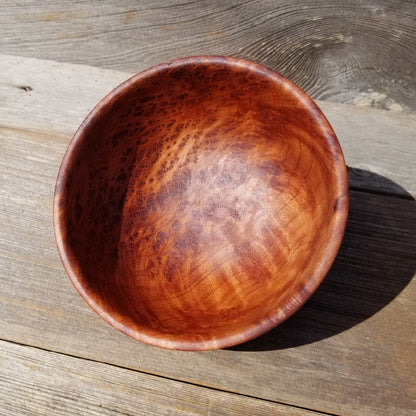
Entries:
{"x":349,"y":350}
{"x":53,"y":98}
{"x":343,"y":51}
{"x":36,"y":382}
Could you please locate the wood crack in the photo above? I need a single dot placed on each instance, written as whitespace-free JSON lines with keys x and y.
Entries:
{"x":211,"y":388}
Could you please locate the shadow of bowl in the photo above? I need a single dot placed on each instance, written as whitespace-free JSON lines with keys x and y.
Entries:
{"x":375,"y":263}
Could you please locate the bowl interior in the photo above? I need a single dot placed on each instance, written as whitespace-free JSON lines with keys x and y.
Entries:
{"x":201,"y":203}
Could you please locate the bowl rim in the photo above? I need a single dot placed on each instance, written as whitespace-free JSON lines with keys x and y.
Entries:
{"x":271,"y":320}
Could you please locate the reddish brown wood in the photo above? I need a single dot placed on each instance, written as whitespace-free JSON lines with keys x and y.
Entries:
{"x":201,"y":203}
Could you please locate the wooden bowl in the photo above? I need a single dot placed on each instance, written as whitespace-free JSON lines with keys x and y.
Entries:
{"x":201,"y":203}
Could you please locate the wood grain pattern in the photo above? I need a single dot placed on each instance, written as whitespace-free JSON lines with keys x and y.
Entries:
{"x":354,"y":338}
{"x":201,"y":203}
{"x":360,"y":345}
{"x":34,"y":382}
{"x":355,"y":355}
{"x":344,"y":51}
{"x":61,"y":95}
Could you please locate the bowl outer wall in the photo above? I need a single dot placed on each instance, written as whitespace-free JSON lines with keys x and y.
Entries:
{"x":271,"y":320}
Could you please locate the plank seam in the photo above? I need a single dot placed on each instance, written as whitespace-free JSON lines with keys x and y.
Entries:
{"x":381,"y":193}
{"x":319,"y":412}
{"x":351,"y":188}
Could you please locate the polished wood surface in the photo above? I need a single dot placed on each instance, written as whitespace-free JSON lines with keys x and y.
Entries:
{"x":201,"y":203}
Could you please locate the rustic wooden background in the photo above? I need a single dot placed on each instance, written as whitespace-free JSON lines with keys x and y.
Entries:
{"x":351,"y":349}
{"x":348,"y":51}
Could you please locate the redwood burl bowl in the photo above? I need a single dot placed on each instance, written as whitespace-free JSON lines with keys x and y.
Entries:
{"x":201,"y":203}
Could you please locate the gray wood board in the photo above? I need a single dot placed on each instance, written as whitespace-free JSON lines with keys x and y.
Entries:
{"x":343,"y":51}
{"x":35,"y":382}
{"x":53,"y":98}
{"x":349,"y":350}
